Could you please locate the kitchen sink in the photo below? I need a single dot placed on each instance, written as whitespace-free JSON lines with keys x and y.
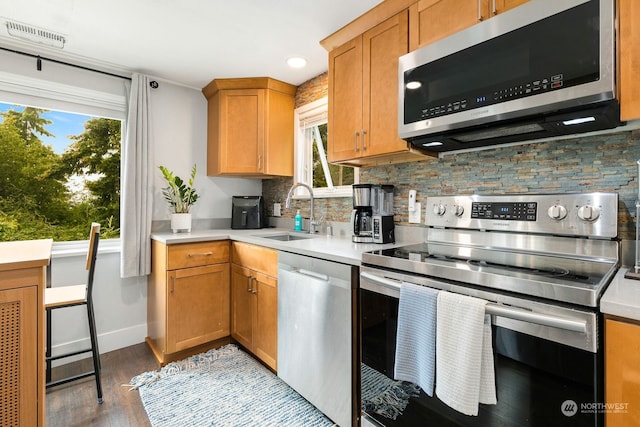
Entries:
{"x":285,"y":237}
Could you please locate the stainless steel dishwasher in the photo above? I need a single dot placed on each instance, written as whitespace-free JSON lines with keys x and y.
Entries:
{"x":315,"y":332}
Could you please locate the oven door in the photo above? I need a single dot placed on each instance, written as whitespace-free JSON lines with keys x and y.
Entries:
{"x":549,"y":371}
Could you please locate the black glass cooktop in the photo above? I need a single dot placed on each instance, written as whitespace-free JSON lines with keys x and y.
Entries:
{"x":536,"y":274}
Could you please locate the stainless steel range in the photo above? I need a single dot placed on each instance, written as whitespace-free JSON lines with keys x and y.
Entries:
{"x":542,"y":262}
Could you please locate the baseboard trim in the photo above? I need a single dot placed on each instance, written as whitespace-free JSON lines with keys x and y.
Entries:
{"x":108,"y":341}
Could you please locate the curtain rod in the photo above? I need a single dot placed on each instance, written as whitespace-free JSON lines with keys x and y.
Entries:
{"x":39,"y":58}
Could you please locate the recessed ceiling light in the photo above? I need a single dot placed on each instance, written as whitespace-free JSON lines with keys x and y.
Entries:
{"x":296,"y":62}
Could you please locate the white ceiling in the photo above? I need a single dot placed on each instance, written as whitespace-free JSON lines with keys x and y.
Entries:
{"x":189,"y":42}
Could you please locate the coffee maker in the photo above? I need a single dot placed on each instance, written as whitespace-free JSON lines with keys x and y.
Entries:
{"x":361,"y":216}
{"x":383,"y":228}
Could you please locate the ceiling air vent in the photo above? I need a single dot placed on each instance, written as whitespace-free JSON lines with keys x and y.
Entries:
{"x":34,"y":34}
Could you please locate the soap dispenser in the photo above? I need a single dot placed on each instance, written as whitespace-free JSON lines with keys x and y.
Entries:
{"x":297,"y":221}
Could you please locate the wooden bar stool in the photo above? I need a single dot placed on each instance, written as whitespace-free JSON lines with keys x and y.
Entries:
{"x":70,"y":296}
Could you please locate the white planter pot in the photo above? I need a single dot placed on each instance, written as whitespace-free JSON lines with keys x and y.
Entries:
{"x":181,"y":221}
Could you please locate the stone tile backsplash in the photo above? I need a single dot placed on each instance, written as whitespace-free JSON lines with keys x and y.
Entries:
{"x":604,"y":163}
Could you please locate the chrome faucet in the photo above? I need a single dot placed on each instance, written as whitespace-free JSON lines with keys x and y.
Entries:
{"x":287,"y":204}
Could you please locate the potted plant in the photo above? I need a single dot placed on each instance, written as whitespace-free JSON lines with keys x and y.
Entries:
{"x":181,"y":196}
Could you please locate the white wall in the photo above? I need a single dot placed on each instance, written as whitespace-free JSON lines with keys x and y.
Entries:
{"x":179,"y":132}
{"x":180,"y":140}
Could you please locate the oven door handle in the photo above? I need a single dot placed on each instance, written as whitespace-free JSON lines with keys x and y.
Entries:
{"x":502,"y":310}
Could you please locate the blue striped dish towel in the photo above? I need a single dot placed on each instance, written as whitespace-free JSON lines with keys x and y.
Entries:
{"x":464,"y":355}
{"x":416,"y":336}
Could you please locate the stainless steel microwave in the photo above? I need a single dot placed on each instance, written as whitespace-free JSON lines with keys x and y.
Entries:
{"x":544,"y":68}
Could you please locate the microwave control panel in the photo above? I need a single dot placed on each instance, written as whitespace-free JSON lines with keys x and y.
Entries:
{"x":495,"y":96}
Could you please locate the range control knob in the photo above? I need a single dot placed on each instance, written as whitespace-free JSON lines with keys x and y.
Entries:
{"x":458,"y":210}
{"x":588,"y":213}
{"x":439,"y":209}
{"x":557,"y":212}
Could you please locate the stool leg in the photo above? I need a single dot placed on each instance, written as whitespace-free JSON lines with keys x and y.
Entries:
{"x":48,"y":350}
{"x":94,"y":349}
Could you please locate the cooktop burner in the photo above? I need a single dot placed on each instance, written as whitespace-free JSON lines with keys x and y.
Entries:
{"x":550,"y":271}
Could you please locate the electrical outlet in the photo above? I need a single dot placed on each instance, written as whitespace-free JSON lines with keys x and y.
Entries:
{"x":276,"y":209}
{"x":414,"y":215}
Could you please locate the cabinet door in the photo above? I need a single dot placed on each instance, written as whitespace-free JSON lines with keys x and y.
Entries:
{"x":435,"y":19}
{"x":241,"y":133}
{"x":242,"y":308}
{"x":622,"y":372}
{"x":382,"y":46}
{"x":19,"y":349}
{"x":345,"y":101}
{"x":265,"y":340}
{"x":198,"y":302}
{"x":628,"y":59}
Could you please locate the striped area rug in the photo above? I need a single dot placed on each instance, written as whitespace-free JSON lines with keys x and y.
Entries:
{"x":222,"y":387}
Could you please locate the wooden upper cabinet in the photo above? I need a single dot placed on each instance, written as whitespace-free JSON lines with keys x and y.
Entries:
{"x":363,"y":96}
{"x":382,"y":46}
{"x":345,"y":101}
{"x":433,"y":20}
{"x":628,"y":59}
{"x":250,"y":127}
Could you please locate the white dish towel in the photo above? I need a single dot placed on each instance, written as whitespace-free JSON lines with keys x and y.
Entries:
{"x":416,"y":336}
{"x":465,"y":374}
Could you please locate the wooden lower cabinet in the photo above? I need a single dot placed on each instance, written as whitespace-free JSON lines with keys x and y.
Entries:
{"x":188,"y":299}
{"x":622,"y":373}
{"x":254,"y":300}
{"x":23,"y":267}
{"x":19,"y":357}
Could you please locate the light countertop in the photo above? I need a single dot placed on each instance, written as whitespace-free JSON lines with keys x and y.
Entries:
{"x":333,"y":248}
{"x":622,"y":297}
{"x":25,"y":254}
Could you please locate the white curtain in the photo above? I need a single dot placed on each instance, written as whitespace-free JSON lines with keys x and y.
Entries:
{"x":136,"y":204}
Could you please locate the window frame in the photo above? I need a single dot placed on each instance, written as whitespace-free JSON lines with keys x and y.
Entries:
{"x":302,"y":170}
{"x":63,"y":87}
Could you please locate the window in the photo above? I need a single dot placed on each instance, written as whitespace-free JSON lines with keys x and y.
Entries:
{"x":59,"y":171}
{"x":38,"y":198}
{"x":311,"y":165}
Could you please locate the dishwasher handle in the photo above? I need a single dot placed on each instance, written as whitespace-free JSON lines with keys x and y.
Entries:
{"x":309,"y":273}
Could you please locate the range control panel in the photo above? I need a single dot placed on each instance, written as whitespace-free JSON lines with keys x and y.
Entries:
{"x":573,"y":214}
{"x":505,"y":211}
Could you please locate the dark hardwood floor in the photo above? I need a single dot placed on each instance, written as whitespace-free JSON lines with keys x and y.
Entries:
{"x":75,"y":404}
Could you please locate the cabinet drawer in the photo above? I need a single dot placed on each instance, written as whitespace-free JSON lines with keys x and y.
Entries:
{"x":187,"y":255}
{"x":258,"y":258}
